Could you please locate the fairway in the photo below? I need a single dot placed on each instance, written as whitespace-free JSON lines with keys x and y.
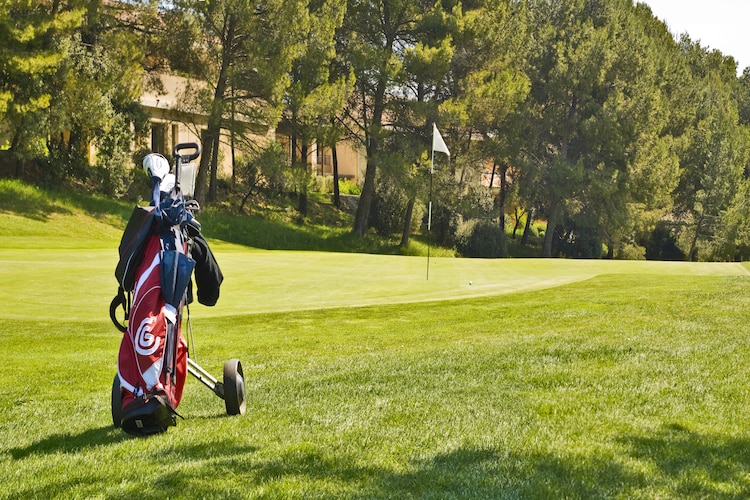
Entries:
{"x":541,"y":379}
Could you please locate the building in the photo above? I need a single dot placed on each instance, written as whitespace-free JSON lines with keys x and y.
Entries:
{"x":173,"y":122}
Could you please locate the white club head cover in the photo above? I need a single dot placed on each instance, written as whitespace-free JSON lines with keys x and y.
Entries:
{"x":167,"y":183}
{"x":156,"y":165}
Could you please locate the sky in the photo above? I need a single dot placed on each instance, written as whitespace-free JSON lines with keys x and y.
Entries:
{"x":716,"y":24}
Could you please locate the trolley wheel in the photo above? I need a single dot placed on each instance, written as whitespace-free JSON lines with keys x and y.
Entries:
{"x":116,"y":402}
{"x":234,"y":387}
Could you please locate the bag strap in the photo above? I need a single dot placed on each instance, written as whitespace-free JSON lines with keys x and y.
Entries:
{"x":120,"y":300}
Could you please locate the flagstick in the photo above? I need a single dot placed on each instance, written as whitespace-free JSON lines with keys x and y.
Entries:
{"x":429,"y":214}
{"x":443,"y":149}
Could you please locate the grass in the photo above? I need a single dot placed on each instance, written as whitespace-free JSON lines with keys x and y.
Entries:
{"x":63,"y":219}
{"x":542,"y":379}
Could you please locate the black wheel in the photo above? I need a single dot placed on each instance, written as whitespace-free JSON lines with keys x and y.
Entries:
{"x":234,"y":387}
{"x":116,"y":402}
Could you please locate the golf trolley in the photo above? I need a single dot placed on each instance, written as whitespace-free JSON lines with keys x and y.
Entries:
{"x":161,"y":248}
{"x":232,"y":390}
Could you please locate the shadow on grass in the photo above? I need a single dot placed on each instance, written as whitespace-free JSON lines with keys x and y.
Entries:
{"x":678,"y":463}
{"x":698,"y":465}
{"x":673,"y":462}
{"x":28,"y":201}
{"x":176,"y":461}
{"x":69,"y":442}
{"x":269,"y":234}
{"x":463,"y":473}
{"x":688,"y":465}
{"x":38,"y":204}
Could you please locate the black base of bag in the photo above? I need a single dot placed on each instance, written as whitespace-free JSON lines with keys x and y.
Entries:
{"x":148,"y":415}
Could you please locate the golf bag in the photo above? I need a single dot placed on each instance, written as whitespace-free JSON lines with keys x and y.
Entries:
{"x":152,"y":362}
{"x":154,"y":275}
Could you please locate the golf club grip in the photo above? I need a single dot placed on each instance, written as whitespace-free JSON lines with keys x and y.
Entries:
{"x":188,"y":145}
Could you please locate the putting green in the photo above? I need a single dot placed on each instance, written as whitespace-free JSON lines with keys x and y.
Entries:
{"x":78,"y":284}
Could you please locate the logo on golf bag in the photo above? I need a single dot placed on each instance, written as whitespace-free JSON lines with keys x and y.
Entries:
{"x":146,"y":343}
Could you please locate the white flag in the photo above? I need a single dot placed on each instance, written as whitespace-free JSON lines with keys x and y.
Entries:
{"x":438,"y":144}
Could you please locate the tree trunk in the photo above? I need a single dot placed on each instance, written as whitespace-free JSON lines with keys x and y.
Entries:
{"x":527,"y":228}
{"x":302,"y":208}
{"x":552,"y":219}
{"x":361,"y":219}
{"x":244,"y":200}
{"x":492,"y":177}
{"x":692,"y":255}
{"x":213,"y":131}
{"x":407,"y":222}
{"x":336,"y":190}
{"x":374,"y":137}
{"x":201,"y":179}
{"x":210,"y":149}
{"x":20,"y":165}
{"x":501,"y":197}
{"x":295,"y":160}
{"x":516,"y":224}
{"x":231,"y":141}
{"x":214,"y":169}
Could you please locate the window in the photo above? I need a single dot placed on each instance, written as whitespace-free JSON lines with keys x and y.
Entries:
{"x":158,"y":138}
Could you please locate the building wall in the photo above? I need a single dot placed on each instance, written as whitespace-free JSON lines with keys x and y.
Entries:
{"x":172,"y":123}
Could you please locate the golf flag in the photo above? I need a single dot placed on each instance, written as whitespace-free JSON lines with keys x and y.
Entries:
{"x":438,"y":144}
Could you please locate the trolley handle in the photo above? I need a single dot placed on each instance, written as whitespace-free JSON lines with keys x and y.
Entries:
{"x":187,"y":145}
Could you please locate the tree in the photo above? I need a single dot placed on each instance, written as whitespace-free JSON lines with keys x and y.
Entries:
{"x":715,"y":150}
{"x":489,"y":85}
{"x":315,"y":95}
{"x":401,"y":178}
{"x":569,"y":62}
{"x":596,"y":112}
{"x":30,"y":34}
{"x":373,"y":41}
{"x":245,"y":51}
{"x":72,"y":78}
{"x":426,"y":85}
{"x":95,"y":97}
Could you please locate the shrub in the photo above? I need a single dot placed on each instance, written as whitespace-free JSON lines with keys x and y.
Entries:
{"x":662,"y":245}
{"x":480,"y":238}
{"x":270,"y":169}
{"x":347,"y":186}
{"x":388,"y":209}
{"x":321,"y":184}
{"x":582,"y":243}
{"x":445,"y":223}
{"x":631,"y":252}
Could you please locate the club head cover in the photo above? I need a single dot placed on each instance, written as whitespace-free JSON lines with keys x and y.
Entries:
{"x":167,"y":183}
{"x":156,"y":165}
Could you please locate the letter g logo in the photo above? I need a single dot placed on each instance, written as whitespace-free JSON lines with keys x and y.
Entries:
{"x":146,"y":343}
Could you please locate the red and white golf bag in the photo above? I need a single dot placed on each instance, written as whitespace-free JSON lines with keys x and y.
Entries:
{"x":160,"y":248}
{"x":152,"y":362}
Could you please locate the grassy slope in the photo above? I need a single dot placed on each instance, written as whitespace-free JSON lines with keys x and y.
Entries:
{"x":546,"y":379}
